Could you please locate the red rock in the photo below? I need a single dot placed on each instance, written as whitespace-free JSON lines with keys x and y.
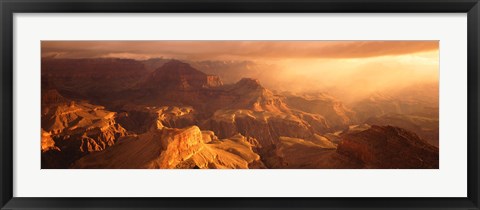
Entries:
{"x":389,"y":147}
{"x":174,"y":148}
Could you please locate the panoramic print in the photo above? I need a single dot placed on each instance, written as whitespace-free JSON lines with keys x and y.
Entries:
{"x":239,"y":105}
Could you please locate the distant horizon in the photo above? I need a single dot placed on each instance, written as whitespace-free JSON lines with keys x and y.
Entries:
{"x":140,"y":59}
{"x":228,"y":61}
{"x":335,"y":67}
{"x":234,"y":49}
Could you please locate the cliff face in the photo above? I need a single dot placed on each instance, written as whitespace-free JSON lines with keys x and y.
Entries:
{"x":236,"y":152}
{"x":249,"y":94}
{"x":76,"y":129}
{"x":389,"y":147}
{"x":177,"y":146}
{"x":213,"y":81}
{"x":176,"y":75}
{"x":140,"y":119}
{"x":47,"y":142}
{"x":174,"y":148}
{"x":265,"y":127}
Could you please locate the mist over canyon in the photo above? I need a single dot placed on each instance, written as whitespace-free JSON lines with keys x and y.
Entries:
{"x":118,"y":113}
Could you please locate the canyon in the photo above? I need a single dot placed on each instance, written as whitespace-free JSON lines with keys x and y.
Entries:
{"x":108,"y":113}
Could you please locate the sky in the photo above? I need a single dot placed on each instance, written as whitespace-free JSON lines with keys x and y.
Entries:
{"x":350,"y":69}
{"x":233,"y":50}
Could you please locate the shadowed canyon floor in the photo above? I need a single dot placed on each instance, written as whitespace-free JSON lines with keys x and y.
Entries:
{"x":168,"y":114}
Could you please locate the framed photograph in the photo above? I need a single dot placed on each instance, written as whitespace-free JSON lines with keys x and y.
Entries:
{"x":239,"y":105}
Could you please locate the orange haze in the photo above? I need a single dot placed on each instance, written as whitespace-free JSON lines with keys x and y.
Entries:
{"x":350,"y":69}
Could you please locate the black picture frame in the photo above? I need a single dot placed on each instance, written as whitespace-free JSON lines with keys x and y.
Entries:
{"x":10,"y":7}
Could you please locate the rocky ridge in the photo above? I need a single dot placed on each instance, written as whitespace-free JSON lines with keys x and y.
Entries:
{"x":179,"y":117}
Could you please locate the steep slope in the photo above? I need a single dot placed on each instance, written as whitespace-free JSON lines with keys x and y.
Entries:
{"x":297,"y":153}
{"x":266,"y":127}
{"x":175,"y":84}
{"x":389,"y":147}
{"x":174,"y":148}
{"x":153,"y":64}
{"x":140,"y":119}
{"x":76,"y":128}
{"x":249,"y":94}
{"x":176,"y":75}
{"x":334,"y":111}
{"x":47,"y":142}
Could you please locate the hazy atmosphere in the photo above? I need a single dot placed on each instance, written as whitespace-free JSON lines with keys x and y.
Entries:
{"x":297,"y":66}
{"x":240,"y":104}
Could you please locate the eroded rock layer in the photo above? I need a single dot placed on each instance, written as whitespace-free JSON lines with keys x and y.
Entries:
{"x":167,"y":114}
{"x":175,"y":148}
{"x":389,"y":147}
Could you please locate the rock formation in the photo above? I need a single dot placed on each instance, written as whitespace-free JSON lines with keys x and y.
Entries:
{"x":175,"y":148}
{"x":338,"y":115}
{"x":76,"y":128}
{"x":176,"y":75}
{"x":389,"y":147}
{"x":164,"y":113}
